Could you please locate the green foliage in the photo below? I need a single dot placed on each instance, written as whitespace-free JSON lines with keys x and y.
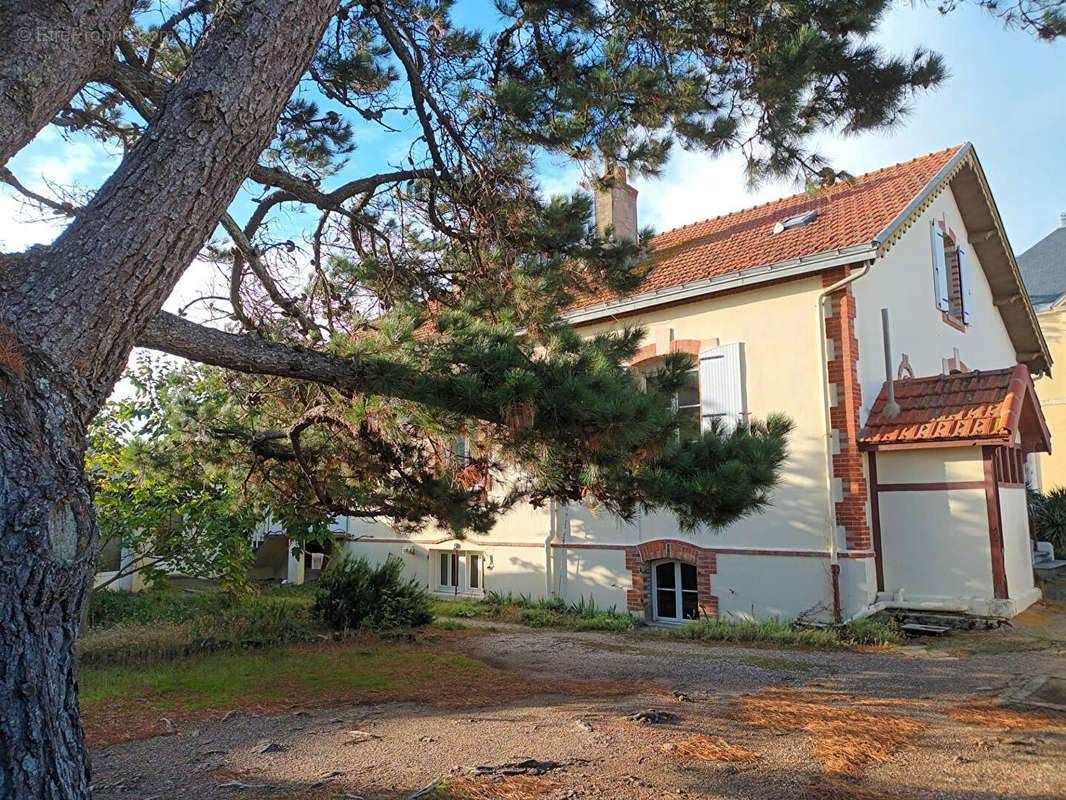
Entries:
{"x":778,"y":632}
{"x":166,"y":624}
{"x":352,"y":594}
{"x":1049,"y":517}
{"x":581,"y":615}
{"x":444,"y":282}
{"x":108,"y":608}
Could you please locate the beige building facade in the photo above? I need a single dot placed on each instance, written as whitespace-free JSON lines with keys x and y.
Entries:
{"x":781,"y":309}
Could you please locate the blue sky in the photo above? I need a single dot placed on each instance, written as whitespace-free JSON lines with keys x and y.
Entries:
{"x":1006,"y":94}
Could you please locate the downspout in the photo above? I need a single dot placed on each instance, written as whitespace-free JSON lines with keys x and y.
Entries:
{"x":553,"y":528}
{"x":823,"y":383}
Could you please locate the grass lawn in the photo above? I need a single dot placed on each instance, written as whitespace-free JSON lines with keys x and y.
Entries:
{"x":128,"y":702}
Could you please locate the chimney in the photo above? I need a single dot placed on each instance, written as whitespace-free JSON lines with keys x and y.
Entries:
{"x":616,"y":207}
{"x":1062,"y":219}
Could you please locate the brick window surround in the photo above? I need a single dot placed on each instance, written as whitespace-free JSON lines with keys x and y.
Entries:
{"x":640,"y":558}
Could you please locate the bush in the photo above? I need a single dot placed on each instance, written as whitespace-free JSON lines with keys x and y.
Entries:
{"x":107,"y":608}
{"x":1049,"y":517}
{"x":352,"y":594}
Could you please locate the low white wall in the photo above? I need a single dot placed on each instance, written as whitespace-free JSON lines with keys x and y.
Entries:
{"x":766,"y":587}
{"x":935,"y":543}
{"x":1017,"y":555}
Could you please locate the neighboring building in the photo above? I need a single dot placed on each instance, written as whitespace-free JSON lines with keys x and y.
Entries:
{"x":781,"y":307}
{"x":1043,"y":267}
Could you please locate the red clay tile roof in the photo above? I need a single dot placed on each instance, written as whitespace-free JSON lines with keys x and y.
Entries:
{"x":848,"y":214}
{"x":967,"y":407}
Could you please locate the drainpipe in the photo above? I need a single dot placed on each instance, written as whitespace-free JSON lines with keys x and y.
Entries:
{"x":892,"y":408}
{"x":823,"y":383}
{"x":553,"y":528}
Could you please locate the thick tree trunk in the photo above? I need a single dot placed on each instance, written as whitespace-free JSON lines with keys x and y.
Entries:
{"x":47,"y":556}
{"x":48,"y":51}
{"x":69,"y":314}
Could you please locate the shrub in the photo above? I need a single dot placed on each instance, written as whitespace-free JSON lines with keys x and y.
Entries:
{"x":353,"y":594}
{"x":107,"y":608}
{"x":1049,"y":517}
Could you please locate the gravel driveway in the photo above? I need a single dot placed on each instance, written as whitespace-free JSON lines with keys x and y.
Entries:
{"x":773,"y":721}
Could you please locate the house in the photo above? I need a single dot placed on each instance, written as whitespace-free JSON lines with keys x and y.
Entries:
{"x":1043,"y":267}
{"x":903,"y":493}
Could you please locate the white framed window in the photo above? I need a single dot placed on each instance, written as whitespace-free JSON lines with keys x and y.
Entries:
{"x":687,"y":406}
{"x":950,"y":276}
{"x":722,"y":391}
{"x":675,"y":592}
{"x":458,"y":572}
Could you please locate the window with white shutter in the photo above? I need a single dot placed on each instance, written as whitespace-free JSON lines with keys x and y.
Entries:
{"x":940,"y":267}
{"x":964,"y":285}
{"x":722,"y":390}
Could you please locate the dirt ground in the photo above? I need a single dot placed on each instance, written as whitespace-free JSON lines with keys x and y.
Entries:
{"x":919,"y":721}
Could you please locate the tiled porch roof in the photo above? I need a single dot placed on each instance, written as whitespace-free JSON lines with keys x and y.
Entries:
{"x":960,"y":408}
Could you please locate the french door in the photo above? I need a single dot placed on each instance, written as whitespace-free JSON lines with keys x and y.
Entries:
{"x":675,"y":592}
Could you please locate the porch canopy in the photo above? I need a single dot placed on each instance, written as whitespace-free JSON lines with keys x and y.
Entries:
{"x":991,"y":407}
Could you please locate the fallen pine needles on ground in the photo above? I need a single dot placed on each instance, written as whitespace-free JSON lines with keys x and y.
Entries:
{"x":709,"y":748}
{"x":846,"y":740}
{"x":989,"y":715}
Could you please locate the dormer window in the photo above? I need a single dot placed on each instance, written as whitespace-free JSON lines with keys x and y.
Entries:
{"x":797,"y":221}
{"x":950,"y":277}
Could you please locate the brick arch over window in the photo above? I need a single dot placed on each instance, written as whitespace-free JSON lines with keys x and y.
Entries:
{"x":640,"y":558}
{"x":654,"y":350}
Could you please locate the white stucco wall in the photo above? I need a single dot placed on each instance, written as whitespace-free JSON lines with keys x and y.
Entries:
{"x":781,"y":352}
{"x":935,"y":465}
{"x":902,"y":282}
{"x":1017,"y":551}
{"x":935,"y":543}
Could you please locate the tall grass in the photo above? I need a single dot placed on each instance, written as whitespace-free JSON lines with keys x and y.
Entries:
{"x":778,"y":632}
{"x":581,"y":615}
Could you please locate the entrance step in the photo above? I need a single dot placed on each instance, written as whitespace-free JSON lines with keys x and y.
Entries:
{"x":1053,"y":588}
{"x":1050,"y":570}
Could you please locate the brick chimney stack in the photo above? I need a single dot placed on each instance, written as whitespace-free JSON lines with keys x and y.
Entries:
{"x":1062,"y":219}
{"x":616,"y":208}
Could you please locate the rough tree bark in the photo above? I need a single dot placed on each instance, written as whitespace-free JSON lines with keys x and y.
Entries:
{"x":69,"y":316}
{"x":48,"y":51}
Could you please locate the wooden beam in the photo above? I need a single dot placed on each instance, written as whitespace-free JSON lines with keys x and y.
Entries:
{"x":977,"y":237}
{"x":1006,"y":299}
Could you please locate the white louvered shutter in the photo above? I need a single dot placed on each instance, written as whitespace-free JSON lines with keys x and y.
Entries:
{"x":940,"y":268}
{"x":964,"y":284}
{"x":722,"y":394}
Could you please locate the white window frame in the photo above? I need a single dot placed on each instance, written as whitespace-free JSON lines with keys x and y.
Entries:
{"x":678,"y":590}
{"x":698,"y":405}
{"x":459,"y":572}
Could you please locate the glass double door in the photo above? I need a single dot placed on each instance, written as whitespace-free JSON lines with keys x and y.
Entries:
{"x":675,"y":591}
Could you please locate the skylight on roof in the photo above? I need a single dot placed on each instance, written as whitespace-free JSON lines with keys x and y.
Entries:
{"x":797,"y":221}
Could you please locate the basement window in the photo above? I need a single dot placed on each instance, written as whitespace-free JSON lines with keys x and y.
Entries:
{"x":798,"y":221}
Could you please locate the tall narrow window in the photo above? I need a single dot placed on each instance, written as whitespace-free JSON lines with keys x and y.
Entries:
{"x":687,"y":406}
{"x":448,"y":571}
{"x":473,"y":571}
{"x":950,"y":277}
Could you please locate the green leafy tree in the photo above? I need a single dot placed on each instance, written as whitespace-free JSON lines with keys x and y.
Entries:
{"x":205,"y":97}
{"x":167,"y":503}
